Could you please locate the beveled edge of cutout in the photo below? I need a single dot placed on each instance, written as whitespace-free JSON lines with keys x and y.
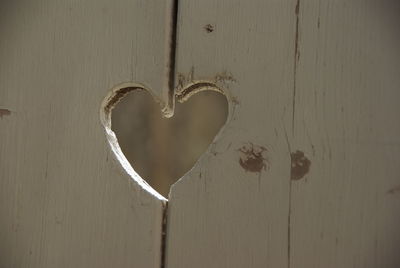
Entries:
{"x":107,"y":105}
{"x":192,"y":88}
{"x":182,"y":95}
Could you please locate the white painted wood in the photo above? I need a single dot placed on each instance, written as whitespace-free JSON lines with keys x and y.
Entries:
{"x":318,"y":78}
{"x":302,"y":77}
{"x":346,"y":212}
{"x":64,"y":200}
{"x":221,"y":215}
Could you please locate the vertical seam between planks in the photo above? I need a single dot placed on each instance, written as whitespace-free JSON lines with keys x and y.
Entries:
{"x":289,"y":223}
{"x":164,"y":226}
{"x":296,"y":59}
{"x":172,"y":51}
{"x":171,"y":46}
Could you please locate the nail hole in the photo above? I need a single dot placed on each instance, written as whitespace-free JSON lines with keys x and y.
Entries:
{"x":209,"y":28}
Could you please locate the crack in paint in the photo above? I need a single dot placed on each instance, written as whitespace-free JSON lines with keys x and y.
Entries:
{"x":296,"y":59}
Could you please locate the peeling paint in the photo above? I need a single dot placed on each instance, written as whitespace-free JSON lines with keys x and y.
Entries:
{"x":224,"y":77}
{"x":300,"y":165}
{"x":185,"y":81}
{"x":252,"y":158}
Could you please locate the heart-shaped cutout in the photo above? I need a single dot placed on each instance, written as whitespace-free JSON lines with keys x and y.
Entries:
{"x":161,"y":150}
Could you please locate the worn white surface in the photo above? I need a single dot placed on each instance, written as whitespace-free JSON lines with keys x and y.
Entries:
{"x":221,"y":215}
{"x":346,"y":213}
{"x":64,"y":200}
{"x":317,"y":77}
{"x":322,"y":79}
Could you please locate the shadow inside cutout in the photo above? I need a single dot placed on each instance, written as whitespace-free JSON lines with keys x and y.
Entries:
{"x":161,"y":150}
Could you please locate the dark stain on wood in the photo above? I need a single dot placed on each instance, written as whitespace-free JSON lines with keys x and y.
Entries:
{"x":300,"y":165}
{"x":209,"y":28}
{"x":394,"y":190}
{"x":297,"y":9}
{"x":296,"y":48}
{"x":4,"y":112}
{"x":252,"y":158}
{"x":296,"y":60}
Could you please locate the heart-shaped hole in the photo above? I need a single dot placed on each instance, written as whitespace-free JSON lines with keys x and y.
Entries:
{"x":161,"y":150}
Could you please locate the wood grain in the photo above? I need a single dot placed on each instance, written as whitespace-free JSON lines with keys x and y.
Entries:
{"x":347,"y":123}
{"x":306,"y":171}
{"x":231,"y":210}
{"x":64,"y":200}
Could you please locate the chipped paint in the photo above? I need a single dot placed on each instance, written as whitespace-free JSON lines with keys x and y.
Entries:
{"x":252,"y":158}
{"x":209,"y":28}
{"x":188,"y":80}
{"x":300,"y":165}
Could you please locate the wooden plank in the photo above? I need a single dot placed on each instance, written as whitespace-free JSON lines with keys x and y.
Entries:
{"x":345,"y":211}
{"x":64,"y":200}
{"x":231,"y":210}
{"x":316,"y":84}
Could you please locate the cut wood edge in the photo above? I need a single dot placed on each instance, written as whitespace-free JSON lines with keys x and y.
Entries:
{"x":184,"y":93}
{"x":107,"y":105}
{"x":115,"y":95}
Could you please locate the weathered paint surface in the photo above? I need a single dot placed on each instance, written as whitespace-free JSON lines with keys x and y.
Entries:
{"x":316,"y":85}
{"x":64,"y":200}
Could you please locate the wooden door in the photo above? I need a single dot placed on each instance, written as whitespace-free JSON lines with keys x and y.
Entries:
{"x":305,"y":172}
